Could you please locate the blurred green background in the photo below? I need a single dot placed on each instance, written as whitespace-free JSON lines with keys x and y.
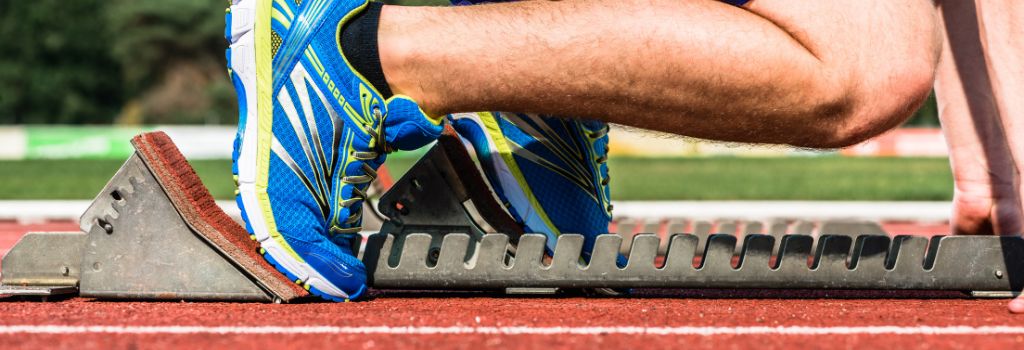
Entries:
{"x":128,"y":62}
{"x":713,"y":178}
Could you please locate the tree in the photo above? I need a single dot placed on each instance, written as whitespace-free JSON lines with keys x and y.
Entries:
{"x":55,"y":65}
{"x":172,"y":53}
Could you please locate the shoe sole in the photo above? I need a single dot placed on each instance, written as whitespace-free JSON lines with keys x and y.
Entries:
{"x":248,"y":23}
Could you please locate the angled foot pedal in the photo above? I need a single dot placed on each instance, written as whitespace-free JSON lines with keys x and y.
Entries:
{"x":442,"y":193}
{"x":154,"y":232}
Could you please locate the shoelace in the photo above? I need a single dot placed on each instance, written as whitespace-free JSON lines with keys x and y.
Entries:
{"x":604,"y":157}
{"x":369,"y":174}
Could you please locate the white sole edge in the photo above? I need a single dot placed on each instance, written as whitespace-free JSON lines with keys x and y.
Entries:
{"x":243,"y":63}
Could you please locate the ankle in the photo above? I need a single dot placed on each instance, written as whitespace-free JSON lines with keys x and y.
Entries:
{"x":358,"y":40}
{"x":400,"y":61}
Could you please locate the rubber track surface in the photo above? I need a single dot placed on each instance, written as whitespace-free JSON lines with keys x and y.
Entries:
{"x":686,"y":308}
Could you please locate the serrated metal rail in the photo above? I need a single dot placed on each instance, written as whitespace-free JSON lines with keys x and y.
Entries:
{"x":413,"y":252}
{"x":839,"y":262}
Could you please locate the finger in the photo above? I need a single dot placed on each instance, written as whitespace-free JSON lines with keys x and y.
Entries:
{"x":1017,"y":305}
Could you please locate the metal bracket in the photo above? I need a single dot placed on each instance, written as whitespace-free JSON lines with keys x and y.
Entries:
{"x":43,"y":264}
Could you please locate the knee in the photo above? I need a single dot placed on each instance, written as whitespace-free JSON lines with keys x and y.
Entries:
{"x":863,"y":115}
{"x":873,"y":101}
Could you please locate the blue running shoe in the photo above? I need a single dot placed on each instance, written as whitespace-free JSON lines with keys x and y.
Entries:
{"x":550,"y":172}
{"x":312,"y":132}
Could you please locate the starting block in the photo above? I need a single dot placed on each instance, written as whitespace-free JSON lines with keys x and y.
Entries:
{"x":154,"y":232}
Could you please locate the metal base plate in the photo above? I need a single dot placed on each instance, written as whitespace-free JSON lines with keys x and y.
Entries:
{"x":48,"y":259}
{"x":839,"y":262}
{"x":36,"y":291}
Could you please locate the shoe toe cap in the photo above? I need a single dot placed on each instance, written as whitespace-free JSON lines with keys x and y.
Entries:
{"x":343,"y":271}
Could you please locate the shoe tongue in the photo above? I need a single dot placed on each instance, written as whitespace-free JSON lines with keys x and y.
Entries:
{"x":407,"y":127}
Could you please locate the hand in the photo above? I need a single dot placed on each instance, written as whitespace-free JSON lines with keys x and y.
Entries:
{"x":984,"y":209}
{"x":1017,"y":305}
{"x":981,"y":208}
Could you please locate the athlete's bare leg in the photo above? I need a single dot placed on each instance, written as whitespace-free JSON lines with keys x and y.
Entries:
{"x":982,"y":113}
{"x":802,"y":72}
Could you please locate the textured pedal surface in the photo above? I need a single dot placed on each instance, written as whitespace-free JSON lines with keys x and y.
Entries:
{"x":839,"y":262}
{"x":195,"y":204}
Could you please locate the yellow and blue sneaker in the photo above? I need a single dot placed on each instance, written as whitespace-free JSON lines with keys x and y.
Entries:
{"x":312,"y":132}
{"x":550,"y":172}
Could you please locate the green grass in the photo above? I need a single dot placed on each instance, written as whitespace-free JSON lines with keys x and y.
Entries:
{"x":83,"y":179}
{"x":817,"y":178}
{"x":812,"y":178}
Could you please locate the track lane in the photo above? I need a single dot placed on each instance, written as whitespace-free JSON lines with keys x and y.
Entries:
{"x":483,"y":310}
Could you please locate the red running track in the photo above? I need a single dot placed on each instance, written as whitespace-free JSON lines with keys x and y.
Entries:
{"x":691,"y":318}
{"x":724,"y":310}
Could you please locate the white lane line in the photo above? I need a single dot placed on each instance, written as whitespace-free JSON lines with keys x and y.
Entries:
{"x":427,"y":330}
{"x":28,"y":211}
{"x":805,"y":210}
{"x":744,"y":210}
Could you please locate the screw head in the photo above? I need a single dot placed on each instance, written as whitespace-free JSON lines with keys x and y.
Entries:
{"x":999,"y":274}
{"x":105,"y":225}
{"x":434,"y":254}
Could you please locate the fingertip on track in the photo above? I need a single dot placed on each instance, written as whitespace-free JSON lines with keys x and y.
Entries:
{"x":1016,"y":306}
